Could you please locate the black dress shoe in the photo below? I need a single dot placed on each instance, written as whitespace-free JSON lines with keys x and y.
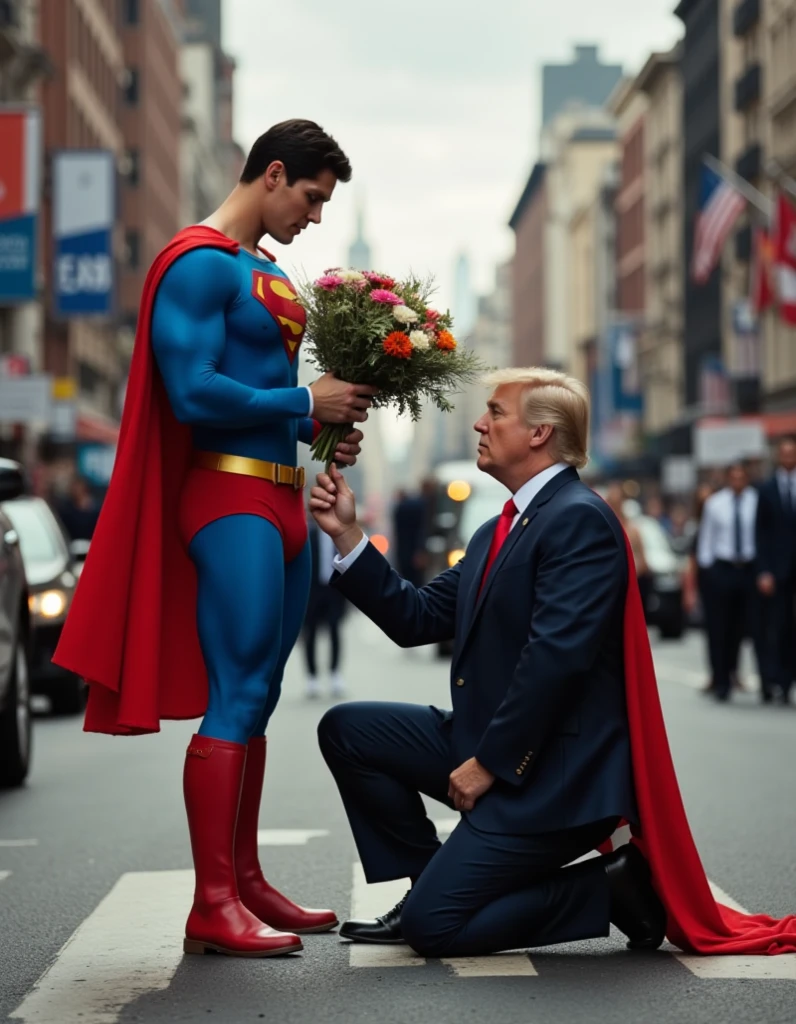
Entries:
{"x":384,"y":930}
{"x":635,"y":907}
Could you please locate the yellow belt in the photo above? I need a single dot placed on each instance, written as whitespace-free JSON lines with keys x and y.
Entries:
{"x":272,"y":471}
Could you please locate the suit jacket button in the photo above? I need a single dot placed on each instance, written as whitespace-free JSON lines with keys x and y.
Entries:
{"x":460,"y":682}
{"x":518,"y":771}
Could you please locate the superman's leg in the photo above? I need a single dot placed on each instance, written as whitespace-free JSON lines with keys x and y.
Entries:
{"x":241,"y":581}
{"x":263,"y":899}
{"x":240,"y":573}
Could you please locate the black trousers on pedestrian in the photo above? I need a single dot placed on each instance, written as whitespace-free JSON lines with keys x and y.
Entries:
{"x":325,"y":607}
{"x":782,"y":634}
{"x":479,"y":892}
{"x":733,"y":616}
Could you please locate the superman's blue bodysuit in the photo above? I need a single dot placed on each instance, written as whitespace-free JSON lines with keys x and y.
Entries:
{"x":225,"y":332}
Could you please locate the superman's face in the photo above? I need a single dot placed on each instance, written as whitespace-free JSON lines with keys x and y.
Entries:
{"x":289,"y":209}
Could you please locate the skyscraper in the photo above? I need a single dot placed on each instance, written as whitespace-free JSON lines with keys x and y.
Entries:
{"x":359,"y":253}
{"x":584,"y":81}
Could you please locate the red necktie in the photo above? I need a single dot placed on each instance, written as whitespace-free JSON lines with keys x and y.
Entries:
{"x":502,"y":530}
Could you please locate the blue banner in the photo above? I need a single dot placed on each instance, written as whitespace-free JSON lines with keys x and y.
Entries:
{"x":18,"y":258}
{"x":84,"y":212}
{"x":95,"y":462}
{"x":84,"y":275}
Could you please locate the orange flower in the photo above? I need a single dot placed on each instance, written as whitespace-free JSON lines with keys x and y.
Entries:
{"x":446,"y":341}
{"x":398,"y":344}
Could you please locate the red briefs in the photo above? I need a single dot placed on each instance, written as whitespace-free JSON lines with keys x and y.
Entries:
{"x":209,"y":494}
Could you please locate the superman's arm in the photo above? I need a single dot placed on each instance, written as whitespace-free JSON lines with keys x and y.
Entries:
{"x":188,"y":338}
{"x":308,"y":430}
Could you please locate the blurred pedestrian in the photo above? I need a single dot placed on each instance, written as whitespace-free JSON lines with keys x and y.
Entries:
{"x":696,"y":589}
{"x":615,"y":496}
{"x":325,"y":610}
{"x":776,"y":568}
{"x":79,"y":510}
{"x":409,"y":532}
{"x":655,"y":509}
{"x":726,"y":551}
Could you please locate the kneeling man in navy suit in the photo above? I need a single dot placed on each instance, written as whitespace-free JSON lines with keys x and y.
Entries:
{"x":536,"y":751}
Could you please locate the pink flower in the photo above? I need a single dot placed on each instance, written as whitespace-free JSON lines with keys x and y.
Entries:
{"x":329,"y":282}
{"x":389,"y":298}
{"x":433,"y":315}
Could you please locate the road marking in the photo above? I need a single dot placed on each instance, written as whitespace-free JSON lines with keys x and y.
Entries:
{"x":498,"y":965}
{"x":13,"y":843}
{"x":367,"y":902}
{"x":289,"y":836}
{"x":129,"y":946}
{"x":743,"y":967}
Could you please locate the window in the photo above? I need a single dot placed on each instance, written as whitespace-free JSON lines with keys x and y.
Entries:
{"x":132,"y":13}
{"x":133,"y":240}
{"x":134,"y":167}
{"x":132,"y":90}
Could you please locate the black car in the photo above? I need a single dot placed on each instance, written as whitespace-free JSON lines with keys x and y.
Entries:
{"x":15,"y":711}
{"x":52,"y":566}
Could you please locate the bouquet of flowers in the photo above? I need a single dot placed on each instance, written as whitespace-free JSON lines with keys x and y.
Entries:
{"x":368,"y":328}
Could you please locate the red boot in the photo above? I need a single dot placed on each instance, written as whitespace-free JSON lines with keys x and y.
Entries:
{"x":218,"y":921}
{"x":256,"y":894}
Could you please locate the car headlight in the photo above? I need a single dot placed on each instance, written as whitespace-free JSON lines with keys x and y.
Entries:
{"x":455,"y":556}
{"x":49,"y":604}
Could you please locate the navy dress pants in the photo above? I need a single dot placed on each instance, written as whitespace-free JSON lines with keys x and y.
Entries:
{"x":479,"y":892}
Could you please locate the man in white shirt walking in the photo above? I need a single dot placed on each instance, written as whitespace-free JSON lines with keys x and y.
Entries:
{"x":727,"y":549}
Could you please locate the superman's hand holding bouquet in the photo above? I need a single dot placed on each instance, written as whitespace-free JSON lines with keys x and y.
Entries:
{"x":371,"y":329}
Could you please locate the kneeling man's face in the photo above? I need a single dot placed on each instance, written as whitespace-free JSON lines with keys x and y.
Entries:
{"x":505,"y":437}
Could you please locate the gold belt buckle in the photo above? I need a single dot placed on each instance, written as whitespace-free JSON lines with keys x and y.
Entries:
{"x":298,"y":479}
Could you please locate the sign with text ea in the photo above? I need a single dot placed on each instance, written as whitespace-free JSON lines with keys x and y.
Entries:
{"x":84,"y":211}
{"x":20,"y":158}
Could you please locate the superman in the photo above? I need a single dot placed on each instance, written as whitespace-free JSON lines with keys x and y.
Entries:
{"x":194,"y":591}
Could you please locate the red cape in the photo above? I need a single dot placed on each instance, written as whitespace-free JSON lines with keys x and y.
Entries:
{"x":131,"y":630}
{"x":696,"y":923}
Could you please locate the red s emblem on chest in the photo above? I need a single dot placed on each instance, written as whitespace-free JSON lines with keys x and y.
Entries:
{"x":279,"y":298}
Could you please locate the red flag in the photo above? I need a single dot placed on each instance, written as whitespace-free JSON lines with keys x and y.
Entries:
{"x":761,"y":287}
{"x":785,"y":258}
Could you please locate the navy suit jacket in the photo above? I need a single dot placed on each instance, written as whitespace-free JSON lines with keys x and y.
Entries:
{"x":775,"y":533}
{"x":537,"y":677}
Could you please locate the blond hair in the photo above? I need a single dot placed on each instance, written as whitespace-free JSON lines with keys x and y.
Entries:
{"x":554,"y":398}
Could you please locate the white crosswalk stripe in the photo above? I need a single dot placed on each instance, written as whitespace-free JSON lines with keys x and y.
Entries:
{"x":289,"y":836}
{"x":131,"y":945}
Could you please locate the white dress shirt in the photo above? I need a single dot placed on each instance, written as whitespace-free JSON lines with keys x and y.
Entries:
{"x":787,"y":483}
{"x":717,"y":529}
{"x":326,"y":557}
{"x":522,"y":499}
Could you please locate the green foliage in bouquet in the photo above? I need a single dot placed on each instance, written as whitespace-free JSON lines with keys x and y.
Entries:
{"x":367,"y":328}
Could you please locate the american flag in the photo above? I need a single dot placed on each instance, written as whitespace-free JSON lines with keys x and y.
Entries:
{"x":719,"y":207}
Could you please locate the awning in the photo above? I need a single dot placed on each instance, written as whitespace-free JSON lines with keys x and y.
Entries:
{"x":93,"y":427}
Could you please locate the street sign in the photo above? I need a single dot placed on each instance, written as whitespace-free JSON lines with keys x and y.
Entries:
{"x":95,"y":462}
{"x":84,"y":202}
{"x":20,"y":161}
{"x":719,"y":444}
{"x":26,"y":399}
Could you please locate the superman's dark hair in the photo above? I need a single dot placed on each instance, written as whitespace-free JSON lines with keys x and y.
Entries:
{"x":303,"y":147}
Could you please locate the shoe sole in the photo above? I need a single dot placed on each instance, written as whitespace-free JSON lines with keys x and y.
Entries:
{"x":200,"y":948}
{"x":372,"y":942}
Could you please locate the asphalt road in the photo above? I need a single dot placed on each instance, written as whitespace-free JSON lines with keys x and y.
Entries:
{"x":95,"y":879}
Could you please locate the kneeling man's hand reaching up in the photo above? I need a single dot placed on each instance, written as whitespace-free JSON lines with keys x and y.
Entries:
{"x":468,"y":783}
{"x":334,"y":509}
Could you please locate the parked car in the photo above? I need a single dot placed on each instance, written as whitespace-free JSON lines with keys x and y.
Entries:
{"x":664,"y":605}
{"x":465,"y":498}
{"x":52,"y":566}
{"x":15,"y":711}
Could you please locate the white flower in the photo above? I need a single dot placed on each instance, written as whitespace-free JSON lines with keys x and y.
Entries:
{"x":404,"y":315}
{"x":419,"y":339}
{"x":350,"y":276}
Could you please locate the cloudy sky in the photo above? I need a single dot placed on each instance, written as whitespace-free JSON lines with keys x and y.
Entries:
{"x":436,"y":102}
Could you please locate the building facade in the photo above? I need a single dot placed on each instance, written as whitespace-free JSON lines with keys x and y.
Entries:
{"x":528,"y":222}
{"x":82,"y":109}
{"x":151,"y":116}
{"x":661,"y":337}
{"x":701,"y":132}
{"x":583,"y":83}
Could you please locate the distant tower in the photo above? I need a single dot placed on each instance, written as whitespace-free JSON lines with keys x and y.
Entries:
{"x":359,"y":255}
{"x":464,"y":300}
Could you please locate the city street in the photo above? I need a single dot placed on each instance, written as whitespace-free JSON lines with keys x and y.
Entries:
{"x":95,"y":879}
